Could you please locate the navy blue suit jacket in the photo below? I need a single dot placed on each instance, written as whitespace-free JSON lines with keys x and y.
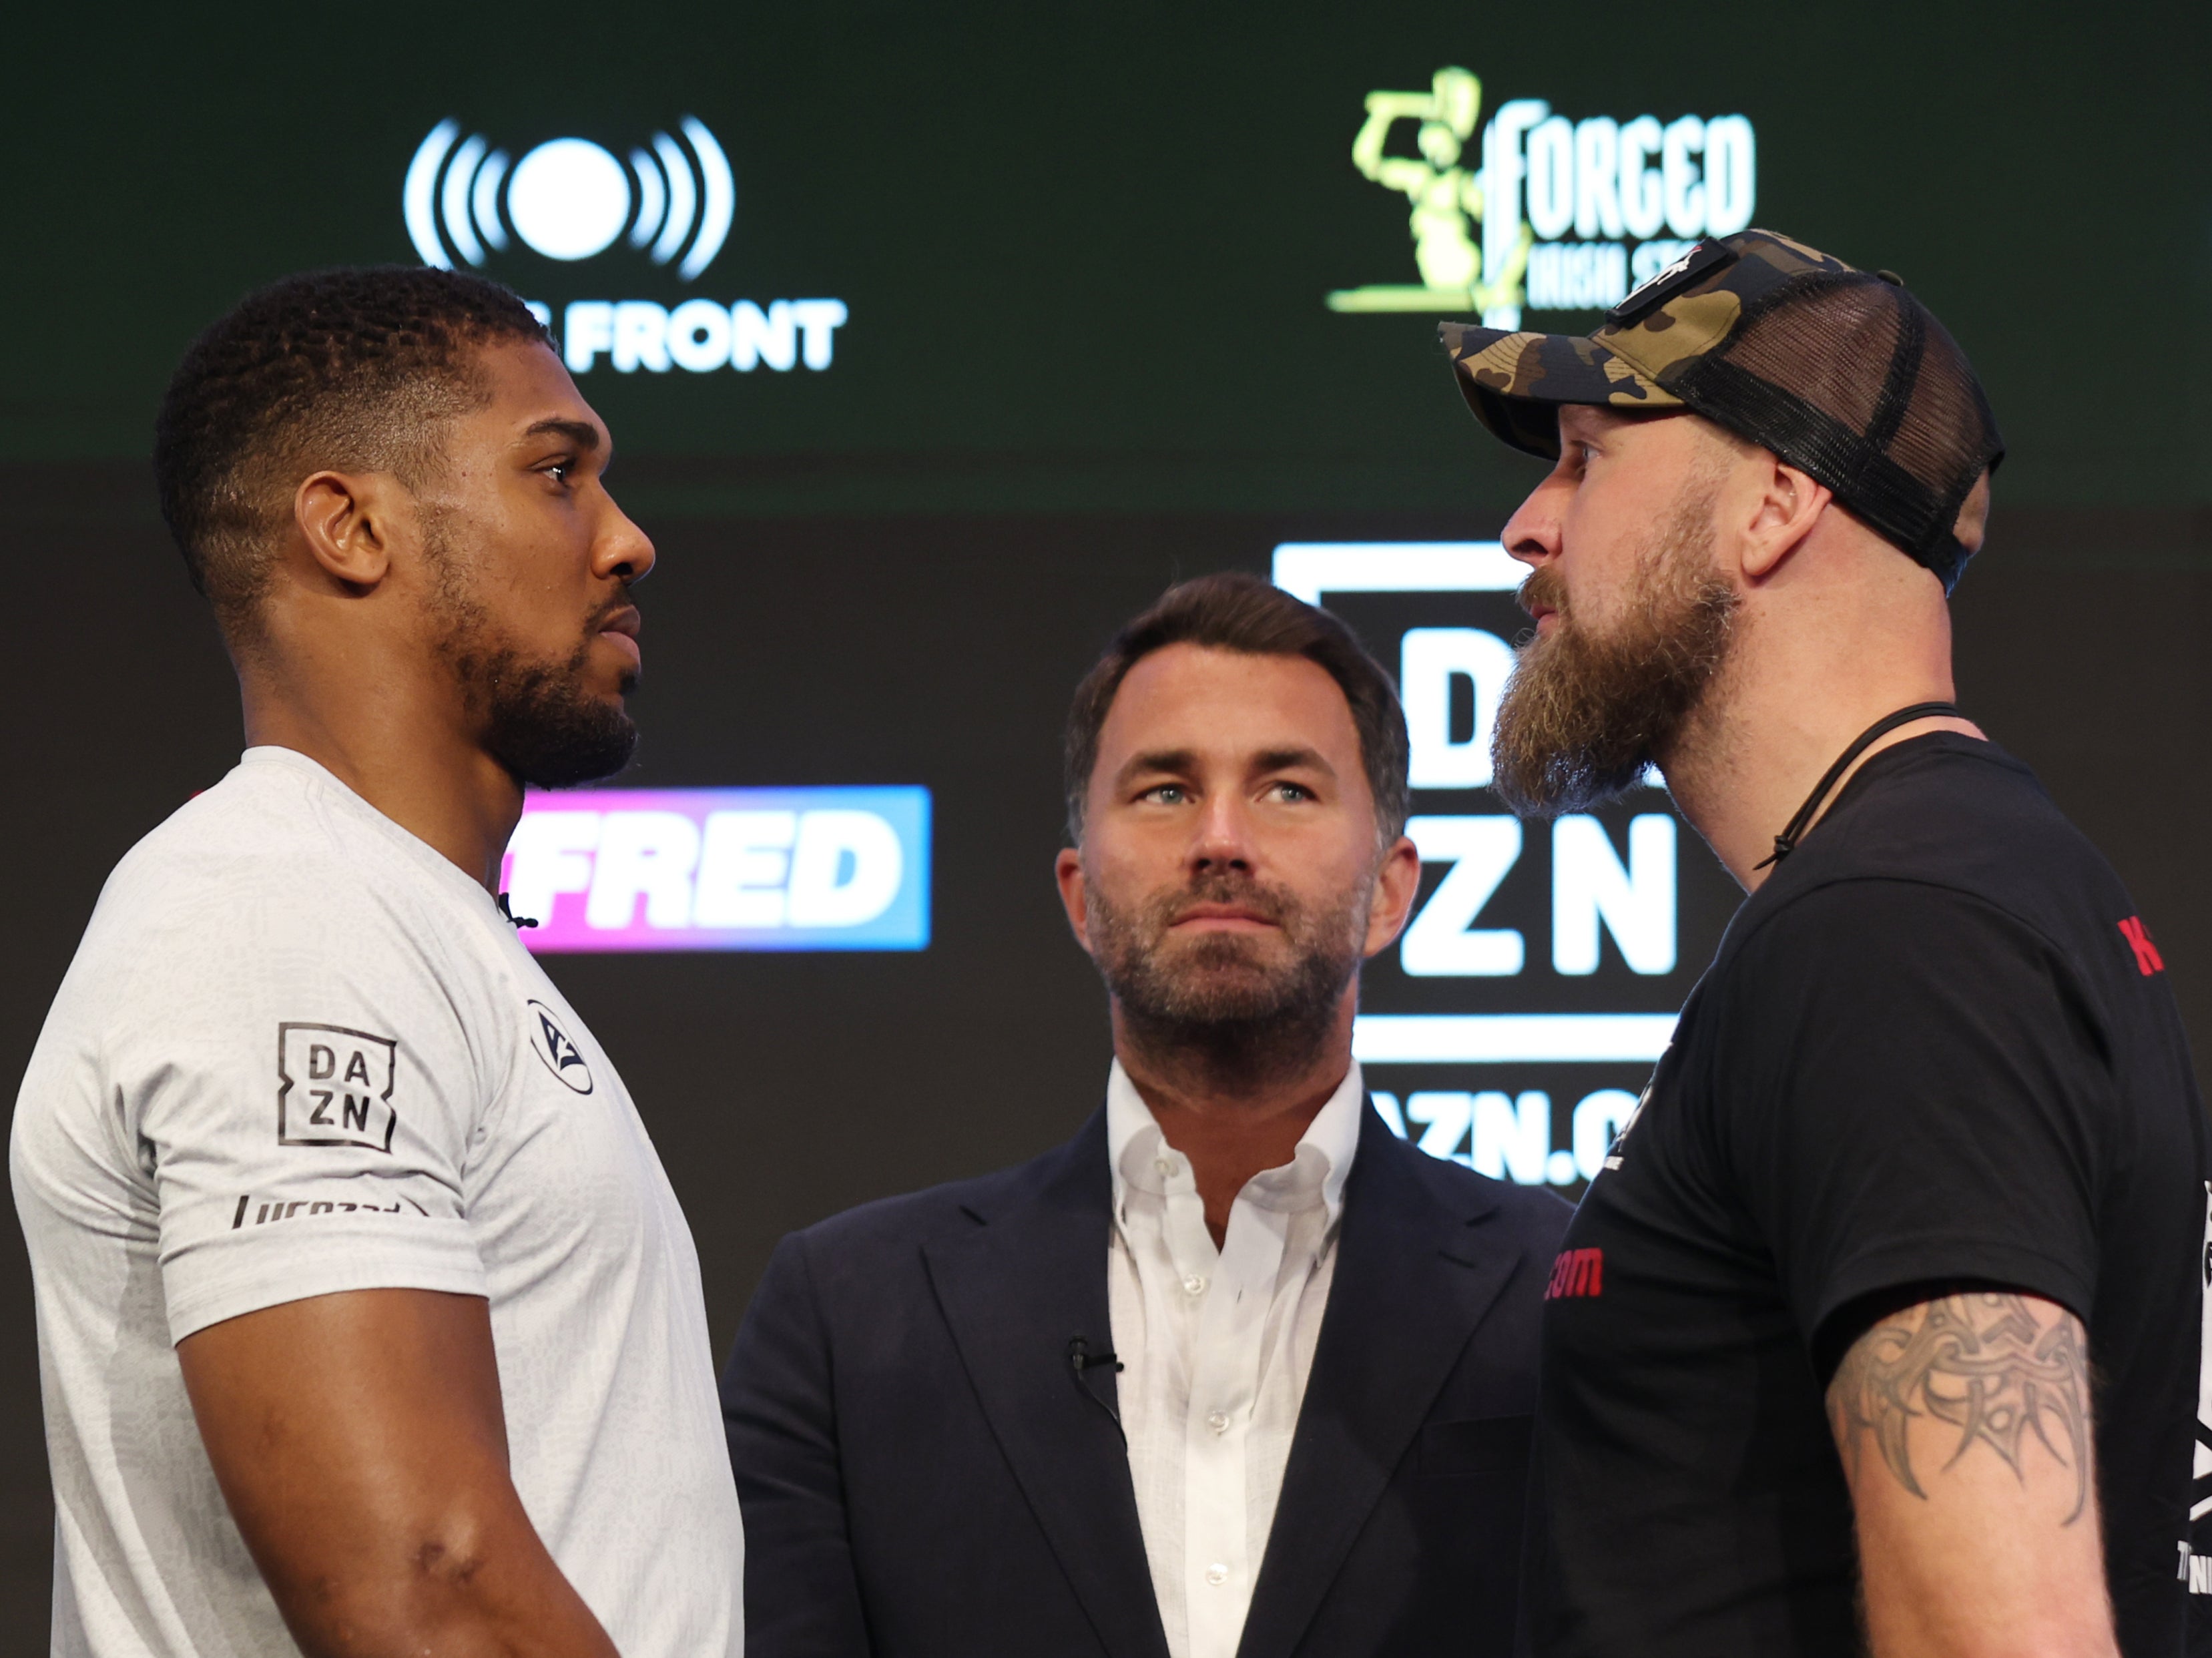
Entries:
{"x":923,"y":1476}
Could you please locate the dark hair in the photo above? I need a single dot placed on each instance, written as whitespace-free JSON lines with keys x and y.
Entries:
{"x":358,"y":369}
{"x":1234,"y":611}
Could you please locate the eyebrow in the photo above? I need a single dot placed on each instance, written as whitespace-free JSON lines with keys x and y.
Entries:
{"x":1158,"y":760}
{"x":581,"y":433}
{"x":1288,"y":759}
{"x":1183,"y":760}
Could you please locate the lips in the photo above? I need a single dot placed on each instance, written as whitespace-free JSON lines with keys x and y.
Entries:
{"x":620,"y":628}
{"x":1222,"y":918}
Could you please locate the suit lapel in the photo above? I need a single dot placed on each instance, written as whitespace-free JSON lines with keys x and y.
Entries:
{"x":1015,"y":1290}
{"x":1411,"y":1286}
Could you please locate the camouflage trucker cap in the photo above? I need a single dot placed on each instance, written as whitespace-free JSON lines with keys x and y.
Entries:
{"x":1838,"y":372}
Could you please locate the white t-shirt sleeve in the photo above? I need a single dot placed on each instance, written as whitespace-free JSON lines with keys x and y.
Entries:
{"x":299,"y":1080}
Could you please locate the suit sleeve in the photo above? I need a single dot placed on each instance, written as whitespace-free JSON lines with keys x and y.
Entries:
{"x":802,"y":1592}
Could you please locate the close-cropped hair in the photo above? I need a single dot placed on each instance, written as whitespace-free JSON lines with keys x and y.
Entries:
{"x":355,"y":370}
{"x":1234,"y":611}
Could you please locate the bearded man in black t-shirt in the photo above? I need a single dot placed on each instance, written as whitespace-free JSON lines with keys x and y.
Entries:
{"x":1882,"y":1326}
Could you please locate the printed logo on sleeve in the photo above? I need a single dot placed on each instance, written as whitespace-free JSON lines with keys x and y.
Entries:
{"x":275,"y":1209}
{"x":334,"y":1086}
{"x":2148,"y":960}
{"x":561,"y":1056}
{"x":1576,"y":1273}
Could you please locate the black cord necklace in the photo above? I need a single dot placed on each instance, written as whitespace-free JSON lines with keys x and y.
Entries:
{"x":1786,"y":843}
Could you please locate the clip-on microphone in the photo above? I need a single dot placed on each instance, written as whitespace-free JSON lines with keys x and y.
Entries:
{"x":1080,"y":1358}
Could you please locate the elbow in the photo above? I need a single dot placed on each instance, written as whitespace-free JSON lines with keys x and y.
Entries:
{"x":423,"y":1589}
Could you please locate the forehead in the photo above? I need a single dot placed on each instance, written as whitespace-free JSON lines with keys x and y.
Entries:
{"x":1589,"y":420}
{"x":1225,"y":703}
{"x":529,"y":385}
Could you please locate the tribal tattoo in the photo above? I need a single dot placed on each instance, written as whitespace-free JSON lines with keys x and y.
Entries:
{"x":1981,"y":1364}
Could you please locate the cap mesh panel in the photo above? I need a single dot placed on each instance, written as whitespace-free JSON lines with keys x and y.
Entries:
{"x":1853,"y":380}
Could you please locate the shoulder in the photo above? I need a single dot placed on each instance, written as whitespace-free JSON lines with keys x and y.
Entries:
{"x":275,"y":858}
{"x":871,"y":1235}
{"x":254,"y":837}
{"x":1534,"y":1217}
{"x":1951,"y":827}
{"x":259,"y":903}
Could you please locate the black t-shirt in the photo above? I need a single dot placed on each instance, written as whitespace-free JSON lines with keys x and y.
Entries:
{"x":1936,"y":1047}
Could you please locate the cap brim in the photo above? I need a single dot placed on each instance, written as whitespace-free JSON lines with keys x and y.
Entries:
{"x":1516,"y":383}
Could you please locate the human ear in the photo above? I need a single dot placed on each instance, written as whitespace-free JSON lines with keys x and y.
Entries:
{"x":1973,"y":524}
{"x":1067,"y":870}
{"x":1396,"y":884}
{"x":1789,"y":504}
{"x":345,"y":519}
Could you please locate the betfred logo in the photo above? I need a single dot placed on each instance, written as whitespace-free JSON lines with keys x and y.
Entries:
{"x":722,"y":869}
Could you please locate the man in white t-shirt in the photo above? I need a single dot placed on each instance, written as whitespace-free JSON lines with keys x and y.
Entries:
{"x":368,"y":1321}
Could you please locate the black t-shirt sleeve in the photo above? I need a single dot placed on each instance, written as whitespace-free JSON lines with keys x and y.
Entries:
{"x":1915,"y":1090}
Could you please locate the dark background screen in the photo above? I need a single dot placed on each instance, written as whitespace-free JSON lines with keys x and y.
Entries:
{"x":1084,"y":256}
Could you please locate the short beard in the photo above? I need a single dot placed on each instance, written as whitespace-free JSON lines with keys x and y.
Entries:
{"x":1215,"y":1006}
{"x":1583,"y":715}
{"x":535,"y":715}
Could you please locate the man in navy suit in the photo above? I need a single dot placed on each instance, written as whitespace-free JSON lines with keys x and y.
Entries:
{"x":1234,"y":1373}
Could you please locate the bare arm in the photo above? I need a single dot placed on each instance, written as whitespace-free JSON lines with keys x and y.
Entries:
{"x":360,"y":1444}
{"x":1965,"y":1428}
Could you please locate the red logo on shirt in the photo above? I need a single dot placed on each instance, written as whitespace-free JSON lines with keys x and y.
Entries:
{"x":1576,"y":1273}
{"x":2138,"y":937}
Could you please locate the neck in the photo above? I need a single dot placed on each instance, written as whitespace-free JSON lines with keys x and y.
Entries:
{"x":1789,"y":701}
{"x":1237,"y":1102}
{"x":386,"y":736}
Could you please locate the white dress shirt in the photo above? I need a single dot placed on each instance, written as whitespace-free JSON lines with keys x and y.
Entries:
{"x":1216,"y":1346}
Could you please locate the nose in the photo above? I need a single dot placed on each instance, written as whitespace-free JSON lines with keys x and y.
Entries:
{"x":622,"y":552}
{"x":1224,"y":838}
{"x":1532,"y":534}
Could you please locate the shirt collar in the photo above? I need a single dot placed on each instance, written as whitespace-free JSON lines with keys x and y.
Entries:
{"x":1134,"y":1146}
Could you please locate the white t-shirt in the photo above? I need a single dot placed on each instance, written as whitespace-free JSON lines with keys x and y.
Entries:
{"x":299,"y":1052}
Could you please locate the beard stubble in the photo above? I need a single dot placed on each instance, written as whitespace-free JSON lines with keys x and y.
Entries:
{"x":539,"y":718}
{"x":1218,"y":1001}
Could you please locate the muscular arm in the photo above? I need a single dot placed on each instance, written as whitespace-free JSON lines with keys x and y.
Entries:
{"x":360,"y":1444}
{"x":1965,"y":1427}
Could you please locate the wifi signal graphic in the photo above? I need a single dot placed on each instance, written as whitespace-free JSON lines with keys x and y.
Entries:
{"x":569,"y":198}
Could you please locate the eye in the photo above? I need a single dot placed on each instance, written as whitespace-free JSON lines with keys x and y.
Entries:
{"x":561,"y":469}
{"x":1292,"y":792}
{"x":1166,"y":794}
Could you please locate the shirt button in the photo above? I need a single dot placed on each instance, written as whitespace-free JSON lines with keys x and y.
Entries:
{"x":1217,"y":1574}
{"x":1218,"y":1421}
{"x":1193,"y":1285}
{"x":1161,"y":1165}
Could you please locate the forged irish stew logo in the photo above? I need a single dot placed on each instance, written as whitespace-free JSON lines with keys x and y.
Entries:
{"x":1541,"y":211}
{"x":665,"y":209}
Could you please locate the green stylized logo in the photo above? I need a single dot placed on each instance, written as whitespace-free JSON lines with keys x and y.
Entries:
{"x":1558,"y":214}
{"x":1447,"y":200}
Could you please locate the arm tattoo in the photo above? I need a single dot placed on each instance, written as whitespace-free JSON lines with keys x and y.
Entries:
{"x":1982,"y":1364}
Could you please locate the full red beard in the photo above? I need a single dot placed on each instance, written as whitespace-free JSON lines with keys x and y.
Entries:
{"x":1583,"y":714}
